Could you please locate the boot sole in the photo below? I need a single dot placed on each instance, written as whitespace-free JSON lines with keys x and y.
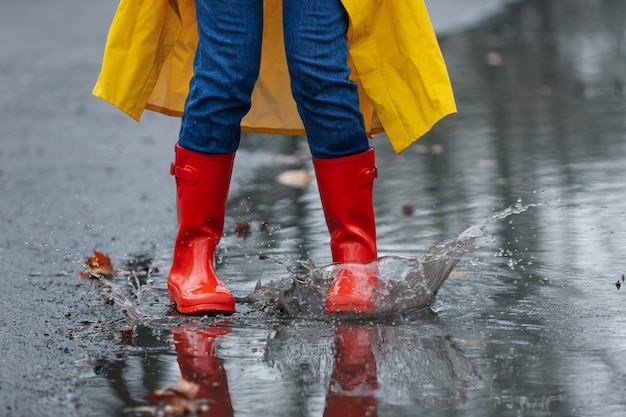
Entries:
{"x":205,"y":309}
{"x":201,"y":307}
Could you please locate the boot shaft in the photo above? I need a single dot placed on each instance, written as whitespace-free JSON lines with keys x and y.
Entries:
{"x":202,"y":184}
{"x":345,"y":186}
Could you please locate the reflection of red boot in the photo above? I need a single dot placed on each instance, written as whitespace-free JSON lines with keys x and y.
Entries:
{"x":353,"y":383}
{"x":202,"y":183}
{"x":196,"y":350}
{"x":345,"y":186}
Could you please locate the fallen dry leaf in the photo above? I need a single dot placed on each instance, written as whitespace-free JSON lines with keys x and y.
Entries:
{"x":126,"y":337}
{"x":99,"y":266}
{"x":408,"y":209}
{"x":242,"y":229}
{"x":297,"y":178}
{"x":172,"y":410}
{"x":178,"y":401}
{"x":185,"y":391}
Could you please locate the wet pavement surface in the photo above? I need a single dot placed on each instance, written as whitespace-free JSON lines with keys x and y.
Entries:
{"x":531,"y":322}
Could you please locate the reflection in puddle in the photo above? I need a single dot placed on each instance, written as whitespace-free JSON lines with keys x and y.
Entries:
{"x":354,"y":382}
{"x":330,"y":369}
{"x":380,"y":366}
{"x":364,"y":360}
{"x":199,"y":364}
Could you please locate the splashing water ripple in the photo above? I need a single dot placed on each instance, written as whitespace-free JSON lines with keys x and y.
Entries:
{"x":404,"y":284}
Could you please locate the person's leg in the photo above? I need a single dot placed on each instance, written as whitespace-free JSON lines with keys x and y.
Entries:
{"x":226,"y":68}
{"x":328,"y":102}
{"x":317,"y":56}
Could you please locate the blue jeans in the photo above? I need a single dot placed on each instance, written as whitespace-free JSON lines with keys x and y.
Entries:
{"x":227,"y":65}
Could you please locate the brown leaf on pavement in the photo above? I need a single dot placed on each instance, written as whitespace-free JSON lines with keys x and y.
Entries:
{"x":99,"y":266}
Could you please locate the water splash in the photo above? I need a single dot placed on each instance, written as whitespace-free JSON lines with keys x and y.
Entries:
{"x":123,"y":301}
{"x":404,"y":284}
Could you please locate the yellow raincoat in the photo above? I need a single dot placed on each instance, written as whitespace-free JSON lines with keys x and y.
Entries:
{"x":394,"y":55}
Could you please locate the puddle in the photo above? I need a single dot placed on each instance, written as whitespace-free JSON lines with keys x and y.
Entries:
{"x":523,"y":319}
{"x":404,"y":284}
{"x":396,"y":353}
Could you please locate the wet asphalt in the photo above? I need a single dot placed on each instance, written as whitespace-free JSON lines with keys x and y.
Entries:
{"x":76,"y":175}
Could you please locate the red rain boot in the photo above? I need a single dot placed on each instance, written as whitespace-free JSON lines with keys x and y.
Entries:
{"x":345,"y":186}
{"x":202,"y":183}
{"x":198,"y":364}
